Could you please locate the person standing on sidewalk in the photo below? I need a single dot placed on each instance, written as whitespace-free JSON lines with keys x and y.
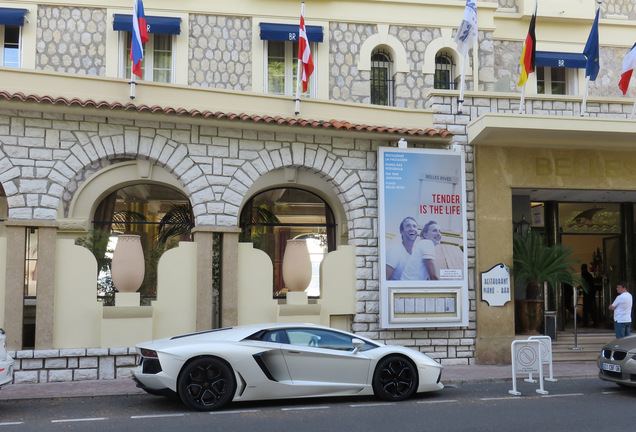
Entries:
{"x":622,"y":308}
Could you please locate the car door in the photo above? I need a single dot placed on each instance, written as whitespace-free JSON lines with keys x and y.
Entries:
{"x":319,"y":356}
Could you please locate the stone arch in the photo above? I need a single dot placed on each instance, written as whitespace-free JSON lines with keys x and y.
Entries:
{"x":389,"y":42}
{"x":310,"y":181}
{"x":318,"y":169}
{"x":91,"y":192}
{"x":98,"y":154}
{"x":446,"y":43}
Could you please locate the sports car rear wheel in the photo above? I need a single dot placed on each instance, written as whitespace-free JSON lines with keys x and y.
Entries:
{"x":394,"y":379}
{"x":206,"y":384}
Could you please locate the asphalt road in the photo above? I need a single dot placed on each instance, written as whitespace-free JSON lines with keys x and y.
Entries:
{"x":579,"y":405}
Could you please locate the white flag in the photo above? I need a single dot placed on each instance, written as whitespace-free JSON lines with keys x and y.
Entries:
{"x":466,"y":35}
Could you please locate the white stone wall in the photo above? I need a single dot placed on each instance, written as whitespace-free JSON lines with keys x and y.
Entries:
{"x":40,"y":366}
{"x":220,"y":52}
{"x":45,"y":157}
{"x":71,"y":39}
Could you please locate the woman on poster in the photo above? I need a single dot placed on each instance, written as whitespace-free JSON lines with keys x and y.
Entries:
{"x":421,"y":264}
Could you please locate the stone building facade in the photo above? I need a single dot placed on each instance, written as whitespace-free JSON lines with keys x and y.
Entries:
{"x":217,"y":132}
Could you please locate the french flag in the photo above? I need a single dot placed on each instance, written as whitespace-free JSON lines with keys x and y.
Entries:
{"x":629,"y":62}
{"x":139,"y":36}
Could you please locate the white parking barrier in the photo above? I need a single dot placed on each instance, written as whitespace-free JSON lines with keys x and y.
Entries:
{"x":526,"y":358}
{"x":546,"y":356}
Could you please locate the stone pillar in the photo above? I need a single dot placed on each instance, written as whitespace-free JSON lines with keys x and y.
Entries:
{"x":44,"y":318}
{"x":14,"y":286}
{"x":229,"y":276}
{"x":204,"y":297}
{"x":14,"y":305}
{"x":493,"y":232}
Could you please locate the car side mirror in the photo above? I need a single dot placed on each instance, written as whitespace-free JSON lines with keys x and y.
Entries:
{"x":357,"y":345}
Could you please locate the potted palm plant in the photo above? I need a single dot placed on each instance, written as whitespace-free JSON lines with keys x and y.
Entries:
{"x":534,"y":264}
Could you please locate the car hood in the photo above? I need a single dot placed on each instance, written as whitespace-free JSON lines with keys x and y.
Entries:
{"x":626,"y":343}
{"x":217,"y":335}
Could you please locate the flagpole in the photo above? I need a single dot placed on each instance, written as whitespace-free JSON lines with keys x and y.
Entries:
{"x":300,"y":65}
{"x":460,"y":101}
{"x":584,"y":104}
{"x":591,"y":52}
{"x":133,"y":83}
{"x":298,"y":84}
{"x":522,"y":103}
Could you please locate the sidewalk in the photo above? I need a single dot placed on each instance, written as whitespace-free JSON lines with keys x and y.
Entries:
{"x":452,"y":375}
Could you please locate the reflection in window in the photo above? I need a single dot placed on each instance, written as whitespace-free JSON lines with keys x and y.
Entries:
{"x":593,"y":218}
{"x":30,"y":287}
{"x":157,"y":64}
{"x":444,"y":72}
{"x":282,"y":68}
{"x":381,"y":78}
{"x":159,"y":215}
{"x":551,"y":80}
{"x":272,"y":217}
{"x":10,"y":45}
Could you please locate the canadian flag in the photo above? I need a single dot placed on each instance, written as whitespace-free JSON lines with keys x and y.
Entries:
{"x":304,"y":52}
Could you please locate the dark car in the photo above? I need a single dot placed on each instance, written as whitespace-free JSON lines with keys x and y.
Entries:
{"x":617,"y":362}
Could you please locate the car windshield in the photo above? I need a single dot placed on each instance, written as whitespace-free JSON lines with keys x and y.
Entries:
{"x":308,"y":337}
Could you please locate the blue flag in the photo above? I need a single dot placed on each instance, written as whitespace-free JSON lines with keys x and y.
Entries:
{"x":591,"y":51}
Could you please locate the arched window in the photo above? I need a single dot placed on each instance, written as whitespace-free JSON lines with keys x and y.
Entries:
{"x":160,"y":215}
{"x":272,"y":217}
{"x":381,"y":78}
{"x":444,"y":72}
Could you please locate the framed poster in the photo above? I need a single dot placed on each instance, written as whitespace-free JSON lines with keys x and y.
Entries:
{"x":423,"y":264}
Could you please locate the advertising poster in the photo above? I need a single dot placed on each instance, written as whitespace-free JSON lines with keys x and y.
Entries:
{"x":422,"y":218}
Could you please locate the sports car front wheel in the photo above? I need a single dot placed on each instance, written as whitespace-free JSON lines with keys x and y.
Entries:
{"x":394,"y":379}
{"x":206,"y":384}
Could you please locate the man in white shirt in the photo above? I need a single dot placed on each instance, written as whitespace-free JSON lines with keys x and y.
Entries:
{"x":398,"y":255}
{"x":622,"y":308}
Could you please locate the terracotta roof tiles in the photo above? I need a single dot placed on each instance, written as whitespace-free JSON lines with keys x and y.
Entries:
{"x":289,"y":121}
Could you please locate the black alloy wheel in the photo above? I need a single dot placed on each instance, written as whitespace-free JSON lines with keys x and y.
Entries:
{"x":394,"y":379}
{"x":206,"y":384}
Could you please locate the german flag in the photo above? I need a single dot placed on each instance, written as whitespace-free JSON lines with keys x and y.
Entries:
{"x":528,"y":54}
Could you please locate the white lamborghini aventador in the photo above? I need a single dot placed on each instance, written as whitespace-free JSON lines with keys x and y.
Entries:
{"x":277,"y":361}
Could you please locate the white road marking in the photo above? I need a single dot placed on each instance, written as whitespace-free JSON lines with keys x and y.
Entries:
{"x":11,"y":423}
{"x":441,"y":401}
{"x":305,"y":408}
{"x":501,"y":398}
{"x":364,"y":405}
{"x":79,"y":420}
{"x":234,"y":412}
{"x":156,"y":416}
{"x":564,"y":395}
{"x":610,"y":392}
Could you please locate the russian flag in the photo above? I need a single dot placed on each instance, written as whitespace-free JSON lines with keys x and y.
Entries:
{"x":139,"y":36}
{"x":629,"y":62}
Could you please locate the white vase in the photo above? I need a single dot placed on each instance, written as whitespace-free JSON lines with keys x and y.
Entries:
{"x":296,"y":265}
{"x":128,"y":266}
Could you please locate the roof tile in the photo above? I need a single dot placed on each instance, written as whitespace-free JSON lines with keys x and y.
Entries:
{"x":290,"y":121}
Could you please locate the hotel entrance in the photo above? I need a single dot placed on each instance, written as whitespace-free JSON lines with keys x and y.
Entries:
{"x":600,"y":233}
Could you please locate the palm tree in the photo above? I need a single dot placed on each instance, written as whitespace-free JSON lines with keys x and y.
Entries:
{"x":177,"y":222}
{"x":536,"y":263}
